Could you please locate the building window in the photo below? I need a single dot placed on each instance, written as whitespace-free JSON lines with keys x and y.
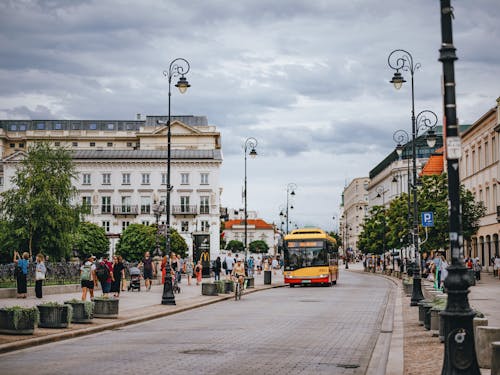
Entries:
{"x":75,"y":144}
{"x":486,"y":154}
{"x":145,"y":205}
{"x":110,"y":126}
{"x":13,"y":127}
{"x":125,"y":225}
{"x":21,"y":145}
{"x":479,"y":158}
{"x":129,"y":144}
{"x":184,"y":204}
{"x":125,"y":178}
{"x":12,"y":145}
{"x":204,"y":226}
{"x":92,"y":144}
{"x":184,"y":178}
{"x":184,"y":226}
{"x":204,"y":205}
{"x":40,"y":126}
{"x":126,"y":204}
{"x":57,"y":126}
{"x":493,"y":149}
{"x":487,"y":199}
{"x":106,"y":178}
{"x":86,"y":179}
{"x":163,"y":178}
{"x":145,"y":179}
{"x":473,"y":161}
{"x":86,"y":200}
{"x":57,"y":144}
{"x":1,"y":180}
{"x":204,"y":179}
{"x":110,"y":144}
{"x":494,"y":196}
{"x":145,"y":222}
{"x":93,"y":126}
{"x":107,"y":226}
{"x":106,"y":205}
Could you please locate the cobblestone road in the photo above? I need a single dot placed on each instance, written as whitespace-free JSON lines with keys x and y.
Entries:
{"x":280,"y":331}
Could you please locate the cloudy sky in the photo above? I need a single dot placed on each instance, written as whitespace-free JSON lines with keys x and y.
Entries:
{"x":307,"y":78}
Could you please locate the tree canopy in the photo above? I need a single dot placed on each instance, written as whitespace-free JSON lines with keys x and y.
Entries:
{"x":39,"y":213}
{"x":258,"y":246}
{"x":235,"y":246}
{"x":91,"y":239}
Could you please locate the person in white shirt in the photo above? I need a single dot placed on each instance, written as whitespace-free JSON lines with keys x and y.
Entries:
{"x":88,"y":277}
{"x":229,"y":260}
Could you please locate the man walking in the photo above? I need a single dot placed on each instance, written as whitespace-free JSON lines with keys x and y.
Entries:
{"x":229,"y":260}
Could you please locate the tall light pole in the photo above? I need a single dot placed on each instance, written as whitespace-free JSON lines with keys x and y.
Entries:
{"x":249,"y":143}
{"x":178,"y":67}
{"x":290,"y":191}
{"x":158,"y":209}
{"x":400,"y":59}
{"x":460,"y":354}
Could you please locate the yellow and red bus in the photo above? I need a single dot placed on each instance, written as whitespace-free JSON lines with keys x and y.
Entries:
{"x":310,"y":257}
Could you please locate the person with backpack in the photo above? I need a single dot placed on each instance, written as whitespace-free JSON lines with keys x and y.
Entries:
{"x":88,"y":278}
{"x":104,"y":273}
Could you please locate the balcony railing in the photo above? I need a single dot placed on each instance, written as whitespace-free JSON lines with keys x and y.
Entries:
{"x":126,"y":210}
{"x":184,"y":210}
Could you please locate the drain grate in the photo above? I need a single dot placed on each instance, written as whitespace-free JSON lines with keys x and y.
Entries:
{"x":200,"y":351}
{"x":347,"y":365}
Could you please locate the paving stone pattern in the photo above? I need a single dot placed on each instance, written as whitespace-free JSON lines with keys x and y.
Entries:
{"x":279,"y":331}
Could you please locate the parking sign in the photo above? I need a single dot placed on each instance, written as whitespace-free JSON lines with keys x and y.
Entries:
{"x":427,"y":219}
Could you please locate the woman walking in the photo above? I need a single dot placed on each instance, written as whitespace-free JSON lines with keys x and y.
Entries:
{"x":40,"y":272}
{"x":197,"y":271}
{"x":217,"y":268}
{"x":118,"y":274}
{"x":189,"y":270}
{"x":21,"y":273}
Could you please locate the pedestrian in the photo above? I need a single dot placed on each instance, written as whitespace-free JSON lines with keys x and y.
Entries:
{"x":274,"y":265}
{"x":496,"y":264}
{"x":148,"y":270}
{"x":197,"y":270}
{"x":163,"y":267}
{"x":477,"y":268}
{"x":118,"y":275}
{"x":229,"y":261}
{"x":104,"y":272}
{"x":250,"y":264}
{"x":180,"y":265}
{"x":189,"y":269}
{"x":258,"y":265}
{"x":217,"y":268}
{"x":444,"y":271}
{"x":40,"y":272}
{"x":174,"y":265}
{"x":88,"y":278}
{"x":21,"y":272}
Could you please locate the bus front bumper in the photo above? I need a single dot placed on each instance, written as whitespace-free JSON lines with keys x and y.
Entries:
{"x":321,"y":279}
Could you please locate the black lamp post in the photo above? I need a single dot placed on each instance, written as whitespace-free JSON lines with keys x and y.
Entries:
{"x":249,"y":143}
{"x":290,"y":191}
{"x":400,"y":59}
{"x":178,"y":67}
{"x":158,"y":209}
{"x":460,"y":354}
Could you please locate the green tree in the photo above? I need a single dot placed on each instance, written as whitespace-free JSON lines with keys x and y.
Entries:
{"x":38,"y":210}
{"x":472,"y":211}
{"x":372,"y":236}
{"x":397,"y":223}
{"x":91,"y":239}
{"x":177,"y":244}
{"x":235,"y":246}
{"x":337,"y":238}
{"x":135,"y":241}
{"x":258,"y":246}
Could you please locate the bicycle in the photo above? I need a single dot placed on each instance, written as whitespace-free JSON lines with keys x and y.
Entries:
{"x":238,"y":289}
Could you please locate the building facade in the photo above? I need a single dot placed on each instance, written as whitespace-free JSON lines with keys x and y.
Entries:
{"x":122,"y":171}
{"x":257,"y":229}
{"x":480,"y":173}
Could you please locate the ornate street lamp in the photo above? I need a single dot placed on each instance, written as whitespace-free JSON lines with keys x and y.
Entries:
{"x":178,"y":67}
{"x":290,"y":191}
{"x":381,"y":194}
{"x":460,"y":354}
{"x":400,"y":59}
{"x":249,"y":143}
{"x":158,"y":210}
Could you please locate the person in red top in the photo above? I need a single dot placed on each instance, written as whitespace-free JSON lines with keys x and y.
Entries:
{"x":105,"y":283}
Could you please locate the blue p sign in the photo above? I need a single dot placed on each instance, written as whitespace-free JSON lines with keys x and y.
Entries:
{"x":427,"y":219}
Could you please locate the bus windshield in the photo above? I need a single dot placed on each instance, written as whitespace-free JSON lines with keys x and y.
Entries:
{"x":298,"y":257}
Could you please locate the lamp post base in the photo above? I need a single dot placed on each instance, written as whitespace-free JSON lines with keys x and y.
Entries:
{"x":460,"y":353}
{"x":416,"y":295}
{"x":168,"y":297}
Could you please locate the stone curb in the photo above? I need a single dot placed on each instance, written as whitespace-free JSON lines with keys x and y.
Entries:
{"x":23,"y":344}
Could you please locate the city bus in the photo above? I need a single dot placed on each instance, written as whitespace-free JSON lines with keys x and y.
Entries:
{"x":310,"y":257}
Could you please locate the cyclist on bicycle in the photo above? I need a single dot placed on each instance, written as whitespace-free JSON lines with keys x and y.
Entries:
{"x":238,"y":272}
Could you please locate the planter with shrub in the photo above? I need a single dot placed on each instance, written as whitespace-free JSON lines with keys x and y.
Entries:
{"x":54,"y":315}
{"x":82,"y":310}
{"x":18,"y":320}
{"x":105,"y":307}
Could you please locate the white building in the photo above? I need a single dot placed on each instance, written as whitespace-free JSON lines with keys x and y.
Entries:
{"x":257,"y":229}
{"x":122,"y":170}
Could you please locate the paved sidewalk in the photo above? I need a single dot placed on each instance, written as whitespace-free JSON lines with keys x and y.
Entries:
{"x":423,"y":354}
{"x":135,"y":307}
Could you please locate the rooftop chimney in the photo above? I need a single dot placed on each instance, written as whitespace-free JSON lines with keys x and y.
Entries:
{"x":138,"y":116}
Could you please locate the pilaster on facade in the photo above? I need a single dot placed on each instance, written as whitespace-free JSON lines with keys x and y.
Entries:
{"x":354,"y":210}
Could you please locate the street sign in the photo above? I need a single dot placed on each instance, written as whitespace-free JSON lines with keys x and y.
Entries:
{"x":427,"y":219}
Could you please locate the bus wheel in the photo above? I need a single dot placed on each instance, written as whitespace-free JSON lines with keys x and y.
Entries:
{"x":292,"y":286}
{"x":334,"y":282}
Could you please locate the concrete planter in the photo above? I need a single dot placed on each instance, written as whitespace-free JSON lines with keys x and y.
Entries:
{"x":55,"y":315}
{"x":228,"y":286}
{"x":267,"y":277}
{"x":435,"y":321}
{"x":421,"y":311}
{"x":82,"y":311}
{"x":106,"y":308}
{"x":209,"y":289}
{"x":250,"y":282}
{"x":486,"y":336}
{"x":408,"y":288}
{"x":220,"y":286}
{"x":472,"y":277}
{"x":427,"y":316}
{"x":18,"y":320}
